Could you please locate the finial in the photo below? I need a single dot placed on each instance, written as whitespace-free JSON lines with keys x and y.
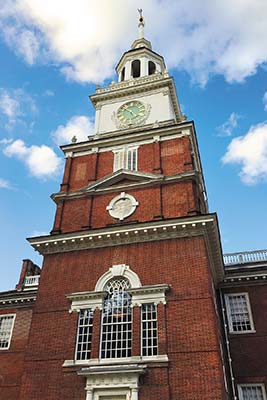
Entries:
{"x":141,"y":23}
{"x":74,"y":139}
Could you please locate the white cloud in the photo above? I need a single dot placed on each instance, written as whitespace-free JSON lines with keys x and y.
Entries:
{"x":79,"y":126}
{"x":226,"y":129}
{"x":41,"y":161}
{"x":264,"y":99}
{"x":4,"y":184}
{"x":86,"y":38}
{"x":15,"y":104}
{"x":250,"y":151}
{"x":49,"y":93}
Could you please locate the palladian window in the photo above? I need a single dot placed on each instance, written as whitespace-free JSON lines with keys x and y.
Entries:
{"x":116,"y":336}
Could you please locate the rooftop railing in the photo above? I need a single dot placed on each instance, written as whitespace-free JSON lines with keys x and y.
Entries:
{"x":32,"y":280}
{"x":245,"y":257}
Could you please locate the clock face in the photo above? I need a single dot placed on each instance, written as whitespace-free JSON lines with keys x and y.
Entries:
{"x":131,"y":113}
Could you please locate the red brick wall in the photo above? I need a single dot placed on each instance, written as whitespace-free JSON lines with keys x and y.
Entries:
{"x":168,"y":157}
{"x":249,"y":350}
{"x":12,"y":360}
{"x":189,"y":321}
{"x":168,"y":201}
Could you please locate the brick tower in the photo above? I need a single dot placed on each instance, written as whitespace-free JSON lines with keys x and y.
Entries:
{"x":126,"y":305}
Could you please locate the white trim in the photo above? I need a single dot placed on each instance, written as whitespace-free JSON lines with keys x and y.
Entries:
{"x":161,"y":358}
{"x":240,"y":386}
{"x":11,"y":330}
{"x":122,"y":212}
{"x":118,"y":270}
{"x":84,"y":300}
{"x":228,"y":312}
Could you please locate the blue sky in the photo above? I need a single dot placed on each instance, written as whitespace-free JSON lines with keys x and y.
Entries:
{"x":53,"y":54}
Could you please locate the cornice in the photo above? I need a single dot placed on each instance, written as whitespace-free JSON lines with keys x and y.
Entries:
{"x":205,"y":225}
{"x":108,"y":140}
{"x":140,"y":295}
{"x":244,"y":279}
{"x":17,"y":300}
{"x":155,"y":181}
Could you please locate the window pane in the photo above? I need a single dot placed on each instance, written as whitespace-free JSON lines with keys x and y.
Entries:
{"x":117,"y":320}
{"x":84,"y":335}
{"x":149,"y":330}
{"x":238,"y":313}
{"x":252,"y":392}
{"x":6,"y":324}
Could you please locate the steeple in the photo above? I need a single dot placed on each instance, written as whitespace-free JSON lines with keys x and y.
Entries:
{"x":141,"y":60}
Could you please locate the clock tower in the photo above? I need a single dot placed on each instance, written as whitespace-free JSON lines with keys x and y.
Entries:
{"x":126,"y":307}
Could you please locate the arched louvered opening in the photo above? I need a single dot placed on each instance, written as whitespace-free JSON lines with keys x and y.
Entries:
{"x":136,"y":68}
{"x":151,"y":67}
{"x":116,"y":336}
{"x":123,"y":74}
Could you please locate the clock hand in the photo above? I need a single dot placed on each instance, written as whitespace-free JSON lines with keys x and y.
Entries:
{"x":131,"y":112}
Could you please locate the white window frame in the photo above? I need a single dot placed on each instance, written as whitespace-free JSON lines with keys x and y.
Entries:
{"x":121,"y":158}
{"x":228,"y":311}
{"x":90,"y":327}
{"x":248,"y":385}
{"x":149,"y":331}
{"x":109,"y":326}
{"x":11,"y":330}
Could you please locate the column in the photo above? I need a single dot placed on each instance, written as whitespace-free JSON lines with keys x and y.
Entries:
{"x":128,"y":70}
{"x":89,"y":394}
{"x":134,"y":395}
{"x":144,"y":66}
{"x":66,"y":178}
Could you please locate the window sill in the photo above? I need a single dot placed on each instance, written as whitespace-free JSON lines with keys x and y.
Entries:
{"x":108,"y":361}
{"x":242,"y":332}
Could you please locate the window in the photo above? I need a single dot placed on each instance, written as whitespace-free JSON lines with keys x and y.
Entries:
{"x":84,"y":335}
{"x":149,"y":330}
{"x":136,"y":68}
{"x":125,"y":158}
{"x":251,"y":392}
{"x":239,"y":313}
{"x":116,"y":336}
{"x":6,"y":327}
{"x":151,"y":68}
{"x":123,"y":74}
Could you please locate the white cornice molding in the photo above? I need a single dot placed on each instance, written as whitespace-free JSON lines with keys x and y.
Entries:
{"x":202,"y":225}
{"x":144,"y":135}
{"x":17,"y":301}
{"x":155,"y":294}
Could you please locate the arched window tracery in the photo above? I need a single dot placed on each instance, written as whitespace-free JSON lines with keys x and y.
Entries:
{"x":116,"y":335}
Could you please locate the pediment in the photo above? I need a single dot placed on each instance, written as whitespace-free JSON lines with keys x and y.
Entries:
{"x":122,"y":177}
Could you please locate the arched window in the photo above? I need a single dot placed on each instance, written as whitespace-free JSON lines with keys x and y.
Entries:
{"x":116,"y":336}
{"x":123,"y":74}
{"x":136,"y":68}
{"x":151,"y":68}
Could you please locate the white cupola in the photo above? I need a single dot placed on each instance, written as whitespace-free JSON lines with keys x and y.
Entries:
{"x":141,"y":60}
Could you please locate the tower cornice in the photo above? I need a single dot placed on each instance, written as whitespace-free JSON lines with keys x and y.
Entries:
{"x":202,"y":225}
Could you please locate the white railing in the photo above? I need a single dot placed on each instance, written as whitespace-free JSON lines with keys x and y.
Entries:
{"x":32,"y":280}
{"x":245,"y":257}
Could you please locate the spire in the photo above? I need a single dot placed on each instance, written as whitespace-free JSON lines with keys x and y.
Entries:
{"x":141,"y":24}
{"x":141,"y":41}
